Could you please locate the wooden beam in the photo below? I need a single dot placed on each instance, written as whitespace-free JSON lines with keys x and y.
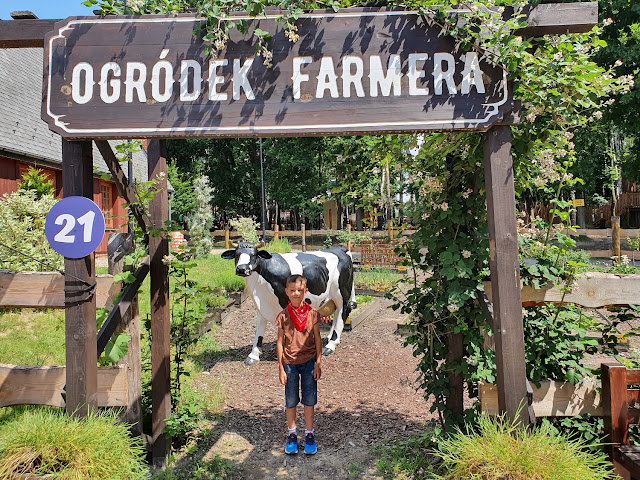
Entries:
{"x":121,"y":309}
{"x":46,"y":290}
{"x":505,"y":274}
{"x":550,"y":18}
{"x":23,"y":385}
{"x":590,"y":289}
{"x":160,"y":328}
{"x":25,"y":33}
{"x":80,"y":310}
{"x":126,"y":191}
{"x":558,"y":18}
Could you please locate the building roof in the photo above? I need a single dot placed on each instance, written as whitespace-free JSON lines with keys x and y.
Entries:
{"x":23,"y":134}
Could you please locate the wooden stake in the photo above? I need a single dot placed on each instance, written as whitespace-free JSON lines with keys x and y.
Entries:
{"x":505,"y":274}
{"x":160,"y":327}
{"x":80,"y":311}
{"x":615,"y":237}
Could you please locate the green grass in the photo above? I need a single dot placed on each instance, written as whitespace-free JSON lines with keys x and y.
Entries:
{"x":32,"y":337}
{"x":278,"y":245}
{"x":379,"y":279}
{"x":406,"y":458}
{"x":46,"y":441}
{"x":499,"y":449}
{"x":214,"y":469}
{"x":215,"y":272}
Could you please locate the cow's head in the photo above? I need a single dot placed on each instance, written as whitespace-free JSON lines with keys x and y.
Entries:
{"x":246,"y":256}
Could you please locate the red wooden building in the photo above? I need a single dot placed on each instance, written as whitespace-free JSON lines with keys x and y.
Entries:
{"x":25,"y":139}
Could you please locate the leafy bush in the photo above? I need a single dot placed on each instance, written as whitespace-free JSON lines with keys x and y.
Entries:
{"x":500,"y":449}
{"x":45,"y":441}
{"x":246,"y":228}
{"x":343,"y":236}
{"x":22,"y":216}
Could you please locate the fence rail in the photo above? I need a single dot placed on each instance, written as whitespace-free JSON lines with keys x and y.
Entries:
{"x":46,"y":290}
{"x":25,"y":385}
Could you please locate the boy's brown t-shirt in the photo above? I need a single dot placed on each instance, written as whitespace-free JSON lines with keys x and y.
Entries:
{"x":298,"y":347}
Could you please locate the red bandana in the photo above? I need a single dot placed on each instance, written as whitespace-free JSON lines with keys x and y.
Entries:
{"x":299,"y":315}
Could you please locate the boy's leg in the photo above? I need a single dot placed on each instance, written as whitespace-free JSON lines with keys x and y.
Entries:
{"x":291,"y":401}
{"x":308,"y":417}
{"x":291,"y":417}
{"x":309,"y":399}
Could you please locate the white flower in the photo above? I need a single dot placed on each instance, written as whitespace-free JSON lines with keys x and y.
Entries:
{"x":466,"y":253}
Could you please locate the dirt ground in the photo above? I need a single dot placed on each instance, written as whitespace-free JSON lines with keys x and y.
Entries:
{"x":367,"y":392}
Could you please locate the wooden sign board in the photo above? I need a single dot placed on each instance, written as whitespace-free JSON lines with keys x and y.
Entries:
{"x":354,"y":72}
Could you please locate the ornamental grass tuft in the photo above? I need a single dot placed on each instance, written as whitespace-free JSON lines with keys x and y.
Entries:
{"x":499,"y":449}
{"x":45,"y":441}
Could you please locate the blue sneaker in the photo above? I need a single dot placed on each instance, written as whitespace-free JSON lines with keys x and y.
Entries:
{"x":292,"y":444}
{"x":310,"y":447}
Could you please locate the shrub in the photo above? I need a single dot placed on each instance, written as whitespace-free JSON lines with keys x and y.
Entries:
{"x":35,"y":180}
{"x":45,"y":441}
{"x":246,"y":228}
{"x":22,"y":216}
{"x":202,"y":219}
{"x":500,"y":449}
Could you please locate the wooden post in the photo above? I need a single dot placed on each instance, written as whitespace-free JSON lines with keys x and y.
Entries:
{"x":160,"y":327}
{"x":614,"y":400}
{"x":227,"y":240}
{"x":304,"y":238}
{"x":276,"y":231}
{"x":505,"y":273}
{"x":615,"y":238}
{"x":349,"y":242}
{"x":455,"y":400}
{"x":118,"y":246}
{"x":81,"y":350}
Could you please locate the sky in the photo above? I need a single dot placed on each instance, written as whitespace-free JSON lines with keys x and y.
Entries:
{"x":45,"y":8}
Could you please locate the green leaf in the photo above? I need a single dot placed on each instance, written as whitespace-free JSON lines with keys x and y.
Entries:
{"x":117,"y":347}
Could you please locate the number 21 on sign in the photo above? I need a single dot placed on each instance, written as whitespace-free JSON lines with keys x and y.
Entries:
{"x":74,"y":227}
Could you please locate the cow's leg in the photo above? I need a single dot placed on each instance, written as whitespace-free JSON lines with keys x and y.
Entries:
{"x":254,"y":357}
{"x":334,"y":333}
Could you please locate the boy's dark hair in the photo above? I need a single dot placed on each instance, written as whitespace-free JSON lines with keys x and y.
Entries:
{"x":296,"y":279}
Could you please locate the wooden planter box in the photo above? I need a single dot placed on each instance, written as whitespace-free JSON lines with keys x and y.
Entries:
{"x":552,"y":399}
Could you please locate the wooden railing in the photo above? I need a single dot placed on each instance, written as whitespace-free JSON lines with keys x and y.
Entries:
{"x":591,"y":290}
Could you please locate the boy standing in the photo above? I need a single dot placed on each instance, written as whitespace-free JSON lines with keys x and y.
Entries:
{"x":299,"y":349}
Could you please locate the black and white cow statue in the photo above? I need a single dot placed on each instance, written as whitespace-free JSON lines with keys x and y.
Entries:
{"x":329,"y":275}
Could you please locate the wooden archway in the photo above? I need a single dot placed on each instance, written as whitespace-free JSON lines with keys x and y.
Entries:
{"x":77,"y":174}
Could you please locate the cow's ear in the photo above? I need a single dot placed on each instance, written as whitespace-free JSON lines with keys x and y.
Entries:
{"x":228,"y":254}
{"x":264,"y":254}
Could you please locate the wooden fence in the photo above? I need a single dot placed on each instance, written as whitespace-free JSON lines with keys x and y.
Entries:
{"x":592,"y":290}
{"x":43,"y":385}
{"x":379,"y":252}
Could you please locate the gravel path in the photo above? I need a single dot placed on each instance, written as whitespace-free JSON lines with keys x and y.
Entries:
{"x":367,"y":392}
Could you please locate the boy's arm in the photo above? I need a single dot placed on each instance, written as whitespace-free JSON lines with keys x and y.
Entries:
{"x":282,"y":376}
{"x":318,"y":340}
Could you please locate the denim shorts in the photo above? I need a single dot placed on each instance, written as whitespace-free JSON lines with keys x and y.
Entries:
{"x":300,"y":375}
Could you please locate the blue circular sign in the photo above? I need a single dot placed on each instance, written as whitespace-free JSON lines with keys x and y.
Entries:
{"x":74,"y":227}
